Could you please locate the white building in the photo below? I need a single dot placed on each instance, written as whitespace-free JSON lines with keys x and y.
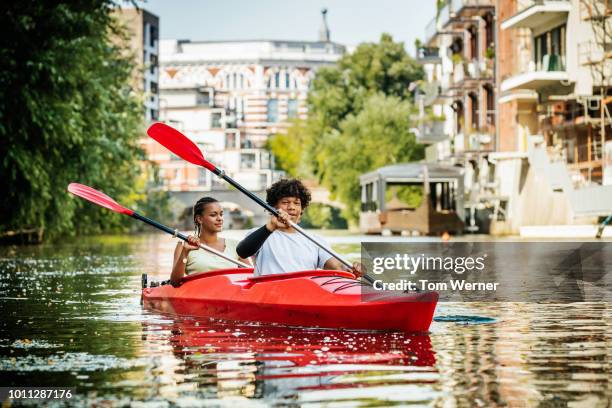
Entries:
{"x":230,"y":97}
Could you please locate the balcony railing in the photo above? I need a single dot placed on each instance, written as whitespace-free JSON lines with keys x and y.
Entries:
{"x":459,"y":5}
{"x":431,"y":131}
{"x":474,"y":70}
{"x":428,"y":55}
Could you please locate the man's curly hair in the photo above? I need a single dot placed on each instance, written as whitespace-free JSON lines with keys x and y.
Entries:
{"x":288,"y":188}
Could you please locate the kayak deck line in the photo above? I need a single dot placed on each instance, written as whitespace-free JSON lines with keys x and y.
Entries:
{"x":319,"y":298}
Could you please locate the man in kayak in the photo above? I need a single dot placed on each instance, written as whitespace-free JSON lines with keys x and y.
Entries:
{"x":277,"y":247}
{"x":208,"y":223}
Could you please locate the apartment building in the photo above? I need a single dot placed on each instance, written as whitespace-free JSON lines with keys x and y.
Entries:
{"x":462,"y":38}
{"x":230,"y":97}
{"x":554,"y":70}
{"x":556,"y":79}
{"x":143,"y":29}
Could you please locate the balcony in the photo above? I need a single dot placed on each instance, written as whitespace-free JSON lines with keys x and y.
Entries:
{"x":468,"y":8}
{"x":550,"y":72}
{"x":431,"y":131}
{"x":428,"y":55}
{"x":456,"y":10}
{"x":472,"y":71}
{"x":539,"y":13}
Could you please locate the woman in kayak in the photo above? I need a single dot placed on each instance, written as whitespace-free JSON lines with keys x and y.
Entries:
{"x":277,"y":247}
{"x":208,"y":221}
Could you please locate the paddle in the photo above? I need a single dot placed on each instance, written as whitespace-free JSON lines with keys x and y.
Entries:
{"x":98,"y":197}
{"x":180,"y":145}
{"x":600,"y":230}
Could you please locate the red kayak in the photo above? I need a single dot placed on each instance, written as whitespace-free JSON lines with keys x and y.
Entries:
{"x":327,"y":299}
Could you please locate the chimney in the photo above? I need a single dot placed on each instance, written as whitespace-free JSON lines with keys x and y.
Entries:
{"x":324,"y":30}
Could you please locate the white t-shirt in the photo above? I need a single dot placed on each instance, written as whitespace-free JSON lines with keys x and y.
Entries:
{"x":289,"y":252}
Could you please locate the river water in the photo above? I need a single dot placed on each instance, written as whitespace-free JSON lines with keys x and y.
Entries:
{"x":71,"y":317}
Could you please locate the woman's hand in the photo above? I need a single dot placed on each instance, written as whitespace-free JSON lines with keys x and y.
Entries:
{"x":282,"y":221}
{"x":191,"y":244}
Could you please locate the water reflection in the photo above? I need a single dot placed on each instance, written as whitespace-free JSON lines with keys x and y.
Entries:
{"x":228,"y":360}
{"x":71,"y":317}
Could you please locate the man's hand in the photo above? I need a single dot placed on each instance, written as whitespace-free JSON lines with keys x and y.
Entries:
{"x":358,"y":269}
{"x":282,"y":221}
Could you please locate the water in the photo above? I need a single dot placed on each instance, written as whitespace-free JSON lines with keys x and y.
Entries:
{"x":72,"y":318}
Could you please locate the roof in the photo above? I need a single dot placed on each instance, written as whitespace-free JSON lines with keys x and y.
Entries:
{"x":412,"y":172}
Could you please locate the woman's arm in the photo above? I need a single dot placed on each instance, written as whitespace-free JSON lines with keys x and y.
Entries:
{"x":180,"y":253}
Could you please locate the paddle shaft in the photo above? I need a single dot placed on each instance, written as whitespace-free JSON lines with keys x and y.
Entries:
{"x":293,"y":225}
{"x":185,"y":238}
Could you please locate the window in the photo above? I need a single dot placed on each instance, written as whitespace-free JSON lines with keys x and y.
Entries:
{"x":152,"y":63}
{"x":550,"y":50}
{"x":277,"y":80}
{"x":154,"y":114}
{"x":490,"y":95}
{"x":202,"y":175}
{"x":273,"y":110}
{"x":154,"y":88}
{"x":215,"y":120}
{"x":265,"y":160}
{"x":247,"y":160}
{"x":153,"y":35}
{"x":203,"y":98}
{"x":292,"y":108}
{"x":474,"y":109}
{"x":473,"y":42}
{"x":286,"y":80}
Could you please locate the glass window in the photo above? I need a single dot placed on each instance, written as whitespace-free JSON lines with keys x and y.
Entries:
{"x":154,"y":88}
{"x":272,"y":110}
{"x":265,"y":160}
{"x":287,"y":80}
{"x":292,"y":108}
{"x":153,"y":63}
{"x":203,"y":98}
{"x":216,"y":120}
{"x":152,"y":36}
{"x":202,"y":174}
{"x":247,"y":160}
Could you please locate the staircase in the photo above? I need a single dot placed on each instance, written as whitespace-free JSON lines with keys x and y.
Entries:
{"x":594,"y":200}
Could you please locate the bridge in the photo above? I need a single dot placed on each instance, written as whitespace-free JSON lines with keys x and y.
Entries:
{"x":187,"y":199}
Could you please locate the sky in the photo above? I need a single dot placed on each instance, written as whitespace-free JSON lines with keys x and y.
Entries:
{"x":350,"y":21}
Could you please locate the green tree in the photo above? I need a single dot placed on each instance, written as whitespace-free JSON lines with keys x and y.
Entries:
{"x":323,"y":216}
{"x":359,"y":118}
{"x":288,"y":149}
{"x":67,"y":113}
{"x":377,"y":136}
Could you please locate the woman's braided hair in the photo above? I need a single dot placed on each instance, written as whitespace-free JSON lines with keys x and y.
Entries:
{"x":198,"y":209}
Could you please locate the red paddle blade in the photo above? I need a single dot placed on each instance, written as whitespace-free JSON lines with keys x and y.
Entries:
{"x":97,"y":197}
{"x":179,"y":144}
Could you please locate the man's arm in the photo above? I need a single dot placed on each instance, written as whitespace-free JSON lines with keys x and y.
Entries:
{"x":252,"y":242}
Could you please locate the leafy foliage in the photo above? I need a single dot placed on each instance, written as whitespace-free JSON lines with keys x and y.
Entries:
{"x":359,"y":119}
{"x":323,"y":216}
{"x":67,"y":113}
{"x":288,"y":149}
